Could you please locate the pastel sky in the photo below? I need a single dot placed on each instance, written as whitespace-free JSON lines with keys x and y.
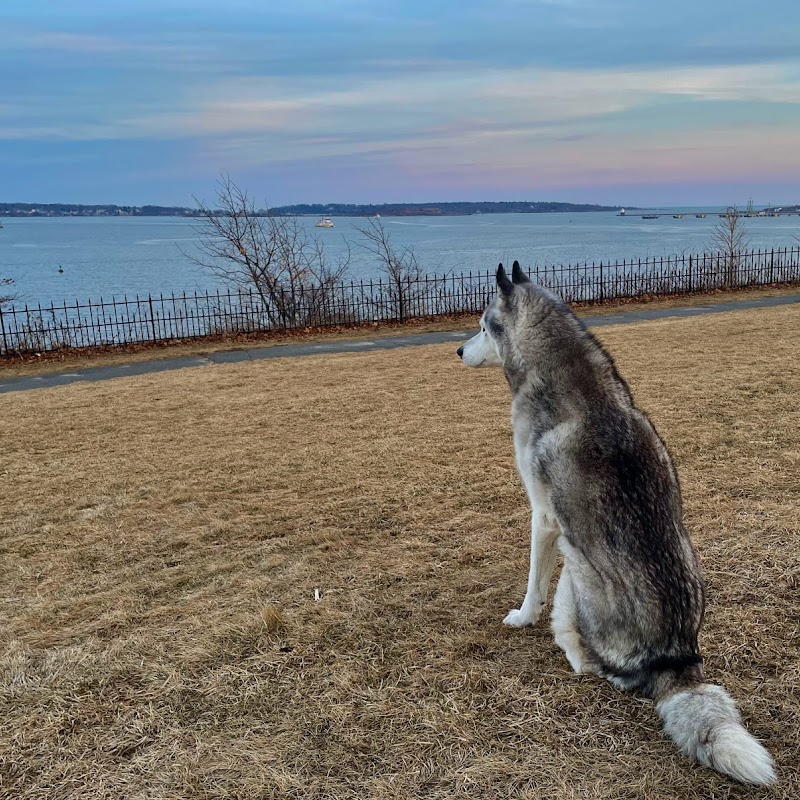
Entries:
{"x":610,"y":101}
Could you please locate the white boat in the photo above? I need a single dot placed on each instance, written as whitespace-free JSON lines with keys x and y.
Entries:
{"x":324,"y":222}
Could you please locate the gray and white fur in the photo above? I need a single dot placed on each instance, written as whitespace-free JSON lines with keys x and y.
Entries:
{"x":603,"y":490}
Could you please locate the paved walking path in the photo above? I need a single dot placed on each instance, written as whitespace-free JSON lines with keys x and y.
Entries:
{"x":20,"y":384}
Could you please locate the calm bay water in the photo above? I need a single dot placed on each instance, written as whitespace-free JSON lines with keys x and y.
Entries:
{"x":115,"y":256}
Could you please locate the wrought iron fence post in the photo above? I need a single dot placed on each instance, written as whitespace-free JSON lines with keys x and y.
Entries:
{"x":3,"y":326}
{"x":400,"y":300}
{"x":152,"y":318}
{"x":602,"y":286}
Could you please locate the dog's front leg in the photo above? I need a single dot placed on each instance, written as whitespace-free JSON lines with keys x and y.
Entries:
{"x":544,"y":534}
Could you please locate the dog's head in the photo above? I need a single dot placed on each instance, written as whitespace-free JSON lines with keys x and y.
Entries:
{"x":489,"y":347}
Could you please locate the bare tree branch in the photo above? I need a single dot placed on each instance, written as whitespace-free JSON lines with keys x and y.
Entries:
{"x":729,"y":238}
{"x":5,"y":299}
{"x":275,"y":257}
{"x":401,"y":268}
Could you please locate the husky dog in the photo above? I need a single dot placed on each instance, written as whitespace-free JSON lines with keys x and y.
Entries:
{"x":602,"y":486}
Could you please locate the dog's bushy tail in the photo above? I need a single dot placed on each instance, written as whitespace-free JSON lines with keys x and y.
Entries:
{"x":705,"y":724}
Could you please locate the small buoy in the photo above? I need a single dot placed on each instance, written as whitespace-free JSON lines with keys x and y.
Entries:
{"x":60,"y":268}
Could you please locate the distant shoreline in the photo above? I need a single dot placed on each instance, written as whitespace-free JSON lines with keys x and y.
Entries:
{"x":31,"y":210}
{"x":449,"y":209}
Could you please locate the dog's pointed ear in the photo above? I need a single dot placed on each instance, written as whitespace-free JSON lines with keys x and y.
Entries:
{"x":503,"y":283}
{"x":518,"y":275}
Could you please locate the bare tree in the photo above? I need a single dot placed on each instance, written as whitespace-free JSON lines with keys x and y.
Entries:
{"x":5,"y":297}
{"x":729,"y":238}
{"x":400,"y":267}
{"x":274,"y":257}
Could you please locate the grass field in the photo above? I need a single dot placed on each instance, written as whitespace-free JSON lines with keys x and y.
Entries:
{"x":164,"y":537}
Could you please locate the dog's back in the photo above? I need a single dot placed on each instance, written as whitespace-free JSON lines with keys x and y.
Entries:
{"x":639,"y":599}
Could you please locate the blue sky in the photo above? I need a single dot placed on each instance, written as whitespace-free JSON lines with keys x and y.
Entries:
{"x":610,"y":101}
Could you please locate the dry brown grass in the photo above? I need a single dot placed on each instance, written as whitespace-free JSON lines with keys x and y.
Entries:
{"x":163,"y":537}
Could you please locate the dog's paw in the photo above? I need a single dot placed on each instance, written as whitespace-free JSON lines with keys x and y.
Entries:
{"x":516,"y":619}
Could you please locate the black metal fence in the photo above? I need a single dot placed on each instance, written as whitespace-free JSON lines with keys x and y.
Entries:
{"x":36,"y":329}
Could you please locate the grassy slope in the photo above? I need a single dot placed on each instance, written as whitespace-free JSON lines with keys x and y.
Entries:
{"x":163,"y":536}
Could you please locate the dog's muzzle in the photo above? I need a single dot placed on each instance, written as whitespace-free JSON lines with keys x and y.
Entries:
{"x":460,"y":351}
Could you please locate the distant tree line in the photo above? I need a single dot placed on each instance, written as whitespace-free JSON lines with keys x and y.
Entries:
{"x":323,"y":209}
{"x":303,"y":209}
{"x":78,"y":210}
{"x":434,"y":209}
